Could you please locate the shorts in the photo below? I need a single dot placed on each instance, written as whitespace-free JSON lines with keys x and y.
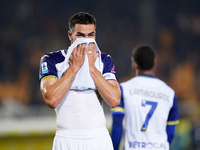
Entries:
{"x":94,"y":139}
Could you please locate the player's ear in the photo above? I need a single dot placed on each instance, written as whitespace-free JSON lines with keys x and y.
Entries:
{"x":135,"y":65}
{"x":70,"y":35}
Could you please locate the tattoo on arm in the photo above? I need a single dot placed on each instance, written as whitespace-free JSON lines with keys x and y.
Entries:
{"x":72,"y":79}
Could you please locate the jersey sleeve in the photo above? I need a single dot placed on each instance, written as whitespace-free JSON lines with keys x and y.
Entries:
{"x":47,"y":67}
{"x":170,"y":129}
{"x":117,"y":125}
{"x":173,"y":117}
{"x":109,"y":68}
{"x":120,"y":108}
{"x":173,"y":120}
{"x":117,"y":130}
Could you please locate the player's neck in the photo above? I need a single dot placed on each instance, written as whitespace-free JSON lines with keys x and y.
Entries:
{"x":144,"y":72}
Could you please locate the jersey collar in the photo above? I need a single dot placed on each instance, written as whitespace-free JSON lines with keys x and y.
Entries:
{"x":147,"y":75}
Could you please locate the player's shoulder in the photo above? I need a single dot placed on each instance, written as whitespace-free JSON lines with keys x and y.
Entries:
{"x":167,"y":86}
{"x":57,"y":56}
{"x":151,"y":81}
{"x":105,"y":56}
{"x":129,"y":81}
{"x":164,"y":86}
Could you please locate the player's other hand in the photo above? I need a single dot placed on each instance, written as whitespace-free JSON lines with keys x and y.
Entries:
{"x":92,"y":55}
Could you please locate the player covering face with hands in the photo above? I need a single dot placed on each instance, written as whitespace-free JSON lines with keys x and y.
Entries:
{"x":78,"y":55}
{"x":83,"y":31}
{"x":74,"y":82}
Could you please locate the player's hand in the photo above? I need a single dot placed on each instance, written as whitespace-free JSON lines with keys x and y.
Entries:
{"x":77,"y":57}
{"x":92,"y":55}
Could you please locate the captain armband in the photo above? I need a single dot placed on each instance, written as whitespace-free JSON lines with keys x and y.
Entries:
{"x":48,"y":77}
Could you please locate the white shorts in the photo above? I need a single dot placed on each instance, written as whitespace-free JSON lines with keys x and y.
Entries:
{"x":94,"y":139}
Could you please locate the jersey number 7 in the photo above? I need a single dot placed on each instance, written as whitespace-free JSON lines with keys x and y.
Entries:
{"x":153,"y":107}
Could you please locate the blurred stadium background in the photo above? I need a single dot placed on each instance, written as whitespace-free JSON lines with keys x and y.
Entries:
{"x":29,"y":28}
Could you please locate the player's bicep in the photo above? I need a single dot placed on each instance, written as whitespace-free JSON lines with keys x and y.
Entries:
{"x":46,"y":83}
{"x":47,"y":68}
{"x":109,"y":68}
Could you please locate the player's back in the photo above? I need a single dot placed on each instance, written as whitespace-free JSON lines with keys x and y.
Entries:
{"x":147,"y":102}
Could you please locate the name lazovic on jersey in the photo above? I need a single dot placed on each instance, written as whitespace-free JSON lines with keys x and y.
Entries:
{"x":151,"y":94}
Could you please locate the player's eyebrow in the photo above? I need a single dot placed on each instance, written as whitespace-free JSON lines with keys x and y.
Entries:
{"x":92,"y":32}
{"x":80,"y":33}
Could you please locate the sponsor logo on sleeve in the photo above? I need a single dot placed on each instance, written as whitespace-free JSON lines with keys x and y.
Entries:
{"x":44,"y":68}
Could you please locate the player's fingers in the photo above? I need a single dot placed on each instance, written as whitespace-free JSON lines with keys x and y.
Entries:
{"x":96,"y":55}
{"x":92,"y":47}
{"x":74,"y":51}
{"x":80,"y":49}
{"x":89,"y":52}
{"x":85,"y":49}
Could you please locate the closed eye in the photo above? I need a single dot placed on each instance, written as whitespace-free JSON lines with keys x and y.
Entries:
{"x":91,"y":35}
{"x":80,"y":35}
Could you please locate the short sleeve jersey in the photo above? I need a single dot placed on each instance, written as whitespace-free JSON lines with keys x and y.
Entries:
{"x":51,"y":65}
{"x":73,"y":112}
{"x":149,"y":105}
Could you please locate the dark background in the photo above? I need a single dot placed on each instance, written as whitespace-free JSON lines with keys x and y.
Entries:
{"x":29,"y":28}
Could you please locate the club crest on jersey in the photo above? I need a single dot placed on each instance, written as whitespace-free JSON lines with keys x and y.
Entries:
{"x":44,"y":68}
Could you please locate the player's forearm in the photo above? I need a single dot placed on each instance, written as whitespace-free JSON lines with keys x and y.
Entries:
{"x":54,"y":93}
{"x":109,"y":90}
